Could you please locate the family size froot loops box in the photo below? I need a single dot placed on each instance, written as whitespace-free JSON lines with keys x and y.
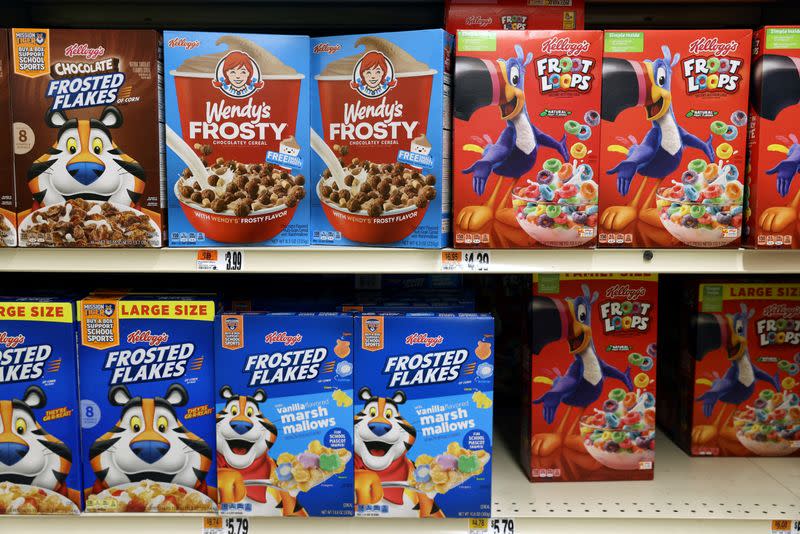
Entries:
{"x":237,"y":138}
{"x":380,"y":112}
{"x":147,"y":403}
{"x":423,"y":423}
{"x":40,"y":468}
{"x":513,"y":15}
{"x":526,"y":138}
{"x":592,"y":371}
{"x":284,"y":414}
{"x":674,"y":121}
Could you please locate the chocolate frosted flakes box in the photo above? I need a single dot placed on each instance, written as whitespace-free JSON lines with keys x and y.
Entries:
{"x":284,"y":414}
{"x":147,"y":403}
{"x":8,"y":200}
{"x":86,"y":112}
{"x":423,"y":428}
{"x":40,"y":471}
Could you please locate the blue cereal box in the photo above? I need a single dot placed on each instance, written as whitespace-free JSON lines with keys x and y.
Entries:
{"x":237,"y":138}
{"x":284,"y":412}
{"x":423,"y":427}
{"x":147,"y":403}
{"x":40,"y":469}
{"x":380,"y":115}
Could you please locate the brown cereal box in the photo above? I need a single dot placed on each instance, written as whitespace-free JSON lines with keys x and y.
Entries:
{"x":8,"y":216}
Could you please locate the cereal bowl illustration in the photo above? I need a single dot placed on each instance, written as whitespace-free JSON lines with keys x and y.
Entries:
{"x":771,"y":426}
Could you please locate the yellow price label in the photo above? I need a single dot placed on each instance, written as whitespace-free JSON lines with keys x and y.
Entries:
{"x":212,"y":524}
{"x":478,"y":526}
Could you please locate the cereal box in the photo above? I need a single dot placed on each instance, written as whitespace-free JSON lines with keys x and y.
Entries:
{"x":284,"y":412}
{"x":591,"y":409}
{"x":773,"y":145}
{"x":40,"y":468}
{"x":86,"y":112}
{"x":739,"y":366}
{"x":237,"y":138}
{"x":147,"y":403}
{"x":8,"y":199}
{"x":423,"y":427}
{"x":674,"y":118}
{"x":514,"y":15}
{"x":381,"y":136}
{"x":526,"y":138}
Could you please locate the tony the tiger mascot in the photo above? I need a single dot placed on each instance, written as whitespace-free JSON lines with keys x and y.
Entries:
{"x":244,"y":439}
{"x":84,"y":162}
{"x":28,"y":454}
{"x":149,"y":442}
{"x":382,"y":438}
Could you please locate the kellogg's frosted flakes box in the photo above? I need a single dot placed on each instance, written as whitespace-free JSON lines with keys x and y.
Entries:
{"x":284,"y":414}
{"x":86,"y":134}
{"x":423,"y":427}
{"x":773,"y":144}
{"x":514,"y":15}
{"x":739,"y":366}
{"x":673,"y":138}
{"x":526,"y":138}
{"x":40,"y":469}
{"x":147,"y":403}
{"x":237,"y":138}
{"x":380,"y":111}
{"x":591,"y":409}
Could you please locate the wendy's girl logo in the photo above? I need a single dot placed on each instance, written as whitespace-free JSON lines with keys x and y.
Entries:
{"x":237,"y":75}
{"x":373,"y":75}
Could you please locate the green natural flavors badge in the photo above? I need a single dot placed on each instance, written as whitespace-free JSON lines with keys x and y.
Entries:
{"x":623,"y":42}
{"x":477,"y":41}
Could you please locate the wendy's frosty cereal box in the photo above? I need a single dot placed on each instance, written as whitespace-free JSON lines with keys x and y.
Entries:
{"x":423,"y":427}
{"x":40,"y":468}
{"x":284,"y":414}
{"x":381,"y":136}
{"x":237,"y":138}
{"x":147,"y":403}
{"x":8,"y":199}
{"x":87,"y":112}
{"x":673,"y":138}
{"x":526,"y":138}
{"x":591,"y":406}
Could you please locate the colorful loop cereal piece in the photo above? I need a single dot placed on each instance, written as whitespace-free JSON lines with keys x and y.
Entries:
{"x":730,"y":172}
{"x":713,"y":191}
{"x":422,"y":473}
{"x":553,"y":211}
{"x":592,"y":118}
{"x":329,"y":462}
{"x":588,"y":190}
{"x":612,"y":420}
{"x":652,"y":350}
{"x":545,"y":176}
{"x":565,"y":63}
{"x":724,"y":151}
{"x":555,"y":80}
{"x":766,"y":394}
{"x":689,"y":177}
{"x":701,"y":80}
{"x":585,"y":172}
{"x":284,"y":472}
{"x":788,"y":383}
{"x":697,"y":165}
{"x":793,"y":369}
{"x":566,"y":81}
{"x":733,"y":190}
{"x":610,"y":405}
{"x":647,"y":363}
{"x":572,"y":127}
{"x":718,"y":127}
{"x":568,"y":191}
{"x":552,"y":165}
{"x":697,"y":211}
{"x":617,"y":394}
{"x":731,"y":133}
{"x":578,"y":151}
{"x":692,"y":194}
{"x":712,"y":64}
{"x":641,"y":380}
{"x":783,"y":364}
{"x":739,"y":118}
{"x":547,"y":194}
{"x":711,"y":172}
{"x":649,"y":399}
{"x":618,"y":436}
{"x":629,"y":401}
{"x":724,"y":65}
{"x":565,"y":172}
{"x":576,"y":65}
{"x":713,"y":81}
{"x":585,"y":132}
{"x":308,"y":460}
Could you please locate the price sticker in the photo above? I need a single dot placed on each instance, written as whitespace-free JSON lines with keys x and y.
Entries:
{"x":478,"y":526}
{"x":236,"y":525}
{"x":501,"y":526}
{"x":212,"y":525}
{"x":785,"y":526}
{"x":466,"y":261}
{"x":220,"y":260}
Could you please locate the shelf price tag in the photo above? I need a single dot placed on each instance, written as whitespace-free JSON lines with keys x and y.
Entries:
{"x":220,"y":260}
{"x":225,"y":525}
{"x":494,"y":525}
{"x":212,"y":525}
{"x":466,"y":261}
{"x":785,"y":526}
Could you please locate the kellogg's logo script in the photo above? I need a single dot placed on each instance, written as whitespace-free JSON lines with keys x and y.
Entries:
{"x":237,"y":75}
{"x":625,"y":316}
{"x":373,"y":75}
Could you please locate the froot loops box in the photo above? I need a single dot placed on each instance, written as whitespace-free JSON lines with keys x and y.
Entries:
{"x":774,"y":149}
{"x":237,"y":138}
{"x":147,"y":403}
{"x":284,"y":414}
{"x":591,"y":399}
{"x":526,"y":138}
{"x":423,"y":424}
{"x":513,"y":15}
{"x":674,"y":130}
{"x":380,"y":112}
{"x":40,"y":467}
{"x":743,"y":361}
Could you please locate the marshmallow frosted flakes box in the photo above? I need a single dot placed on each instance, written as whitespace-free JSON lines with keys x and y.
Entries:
{"x":423,"y":422}
{"x":526,"y":138}
{"x":40,"y":469}
{"x":237,"y":138}
{"x":380,"y":112}
{"x":284,"y":414}
{"x":591,"y":406}
{"x":674,"y":133}
{"x":147,"y":403}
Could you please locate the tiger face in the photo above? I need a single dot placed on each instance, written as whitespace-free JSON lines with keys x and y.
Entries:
{"x":28,"y":454}
{"x":84,"y":162}
{"x":243,"y":433}
{"x":382,"y":435}
{"x":149,"y":442}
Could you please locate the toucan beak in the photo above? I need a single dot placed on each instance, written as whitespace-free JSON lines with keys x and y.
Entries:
{"x":707,"y":332}
{"x":549,"y":320}
{"x":477,"y":84}
{"x":624,"y":86}
{"x":512,"y":99}
{"x":778,"y":148}
{"x":736,"y":343}
{"x":579,"y":335}
{"x":775,"y":85}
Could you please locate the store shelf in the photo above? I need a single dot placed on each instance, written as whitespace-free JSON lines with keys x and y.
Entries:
{"x":383,"y":260}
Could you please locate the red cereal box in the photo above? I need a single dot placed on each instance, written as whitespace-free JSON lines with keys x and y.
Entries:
{"x":514,"y":15}
{"x":673,"y":138}
{"x":591,"y":397}
{"x":525,"y":138}
{"x":772,"y":141}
